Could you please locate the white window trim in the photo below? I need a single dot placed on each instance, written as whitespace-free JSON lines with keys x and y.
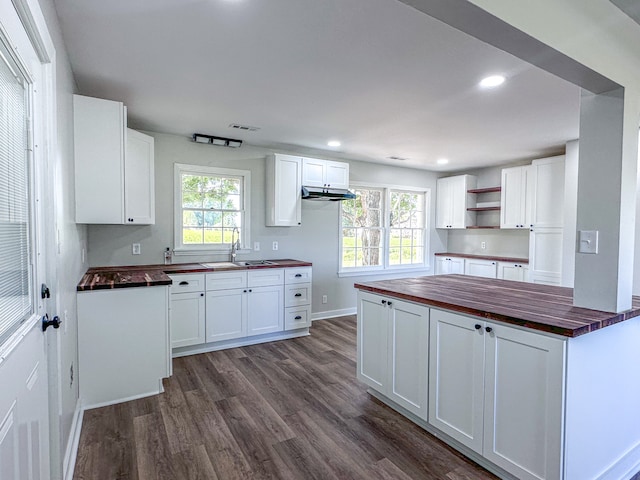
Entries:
{"x":385,"y":268}
{"x":245,"y":233}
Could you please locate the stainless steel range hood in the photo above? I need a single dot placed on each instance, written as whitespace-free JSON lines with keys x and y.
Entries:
{"x":327,"y":194}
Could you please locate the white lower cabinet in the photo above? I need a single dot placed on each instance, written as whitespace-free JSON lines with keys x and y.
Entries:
{"x":480,"y":268}
{"x":449,"y":265}
{"x":392,"y":349}
{"x":265,"y":310}
{"x":226,"y":314}
{"x":513,"y":271}
{"x":499,"y":391}
{"x":187,"y":315}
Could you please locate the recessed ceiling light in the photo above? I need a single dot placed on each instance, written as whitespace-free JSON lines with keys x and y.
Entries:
{"x":492,"y":81}
{"x":334,"y":143}
{"x":443,"y":161}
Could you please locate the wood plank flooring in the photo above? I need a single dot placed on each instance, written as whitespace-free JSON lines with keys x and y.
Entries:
{"x":284,"y":410}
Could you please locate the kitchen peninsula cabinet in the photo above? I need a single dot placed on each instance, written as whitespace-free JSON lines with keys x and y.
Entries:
{"x":452,"y":201}
{"x":392,"y":349}
{"x":499,"y":391}
{"x":114,"y":165}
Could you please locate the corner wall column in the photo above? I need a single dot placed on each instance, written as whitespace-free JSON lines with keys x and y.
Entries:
{"x":607,"y":198}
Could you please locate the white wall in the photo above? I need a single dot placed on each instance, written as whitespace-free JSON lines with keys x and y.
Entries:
{"x":316,"y":240}
{"x":72,"y":237}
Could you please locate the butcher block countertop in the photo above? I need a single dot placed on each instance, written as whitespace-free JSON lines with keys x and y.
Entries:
{"x":539,"y":307}
{"x":127,"y":276}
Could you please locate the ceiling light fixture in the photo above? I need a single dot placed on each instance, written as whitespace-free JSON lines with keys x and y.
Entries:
{"x":334,"y":143}
{"x":492,"y":81}
{"x":443,"y":161}
{"x":399,"y":159}
{"x":218,"y":141}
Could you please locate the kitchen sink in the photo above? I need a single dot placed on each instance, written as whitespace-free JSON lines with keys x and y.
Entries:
{"x":253,"y":263}
{"x":220,"y":265}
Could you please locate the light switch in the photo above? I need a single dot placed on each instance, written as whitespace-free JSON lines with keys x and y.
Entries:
{"x":588,"y":241}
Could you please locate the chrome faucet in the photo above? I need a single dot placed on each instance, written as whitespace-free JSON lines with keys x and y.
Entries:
{"x":235,"y":244}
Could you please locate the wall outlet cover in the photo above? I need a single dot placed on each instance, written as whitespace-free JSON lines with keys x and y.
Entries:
{"x":275,"y":245}
{"x":256,"y":246}
{"x":135,"y":249}
{"x":588,"y":241}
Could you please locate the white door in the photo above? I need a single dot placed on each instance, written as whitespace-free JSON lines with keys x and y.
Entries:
{"x":456,"y":376}
{"x":548,"y":196}
{"x":545,"y":256}
{"x":265,"y":310}
{"x":443,"y":203}
{"x":373,"y":329}
{"x":337,"y":174}
{"x":523,"y":402}
{"x":28,"y":258}
{"x":408,"y":348}
{"x":187,"y":319}
{"x":480,"y":268}
{"x":139,"y":181}
{"x":313,"y":172}
{"x":225,"y":314}
{"x":458,"y":201}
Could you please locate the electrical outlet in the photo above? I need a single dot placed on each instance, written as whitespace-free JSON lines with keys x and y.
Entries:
{"x":135,"y":249}
{"x":324,"y":299}
{"x":483,"y":245}
{"x":275,"y":245}
{"x":256,"y":246}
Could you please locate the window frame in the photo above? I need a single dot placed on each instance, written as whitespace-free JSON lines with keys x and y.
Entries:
{"x":245,"y":198}
{"x":386,"y":267}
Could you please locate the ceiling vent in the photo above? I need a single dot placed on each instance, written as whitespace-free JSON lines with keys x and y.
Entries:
{"x":401,"y":159}
{"x":245,"y":128}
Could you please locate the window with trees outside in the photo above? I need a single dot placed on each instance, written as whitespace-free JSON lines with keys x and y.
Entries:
{"x":211,"y":207}
{"x":383,"y":228}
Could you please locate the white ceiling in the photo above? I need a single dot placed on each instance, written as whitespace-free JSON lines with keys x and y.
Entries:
{"x":381,"y":77}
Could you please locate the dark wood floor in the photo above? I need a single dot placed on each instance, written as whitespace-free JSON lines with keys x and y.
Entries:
{"x":291,"y":409}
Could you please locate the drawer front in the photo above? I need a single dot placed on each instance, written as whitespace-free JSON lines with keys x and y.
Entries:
{"x":266,"y":276}
{"x":297,"y":275}
{"x":186,"y":283}
{"x":226,"y":280}
{"x":297,"y":317}
{"x":295,"y":295}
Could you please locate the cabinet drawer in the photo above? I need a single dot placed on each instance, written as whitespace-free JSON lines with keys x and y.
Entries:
{"x":297,"y":317}
{"x":226,"y":280}
{"x":185,"y":283}
{"x":295,"y":295}
{"x":297,"y":275}
{"x":265,"y":277}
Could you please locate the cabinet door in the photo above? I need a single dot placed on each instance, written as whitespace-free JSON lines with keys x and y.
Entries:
{"x":99,"y":149}
{"x":337,"y":174}
{"x":548,"y":196}
{"x":523,"y":417}
{"x":456,"y":265}
{"x":265,"y":312}
{"x":139,"y":181}
{"x":442,"y":266}
{"x":408,"y":356}
{"x":516,"y":198}
{"x":226,"y":314}
{"x":443,"y":203}
{"x":373,"y":328}
{"x":456,"y":376}
{"x":284,"y":200}
{"x":313,"y":172}
{"x":511,"y":271}
{"x":460,"y":217}
{"x":480,"y":268}
{"x":187,"y":319}
{"x":545,"y":256}
{"x":297,"y":317}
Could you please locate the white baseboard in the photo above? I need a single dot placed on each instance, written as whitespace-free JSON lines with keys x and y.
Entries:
{"x":239,"y":342}
{"x":333,"y":313}
{"x":624,"y":467}
{"x":71,"y":452}
{"x":125,"y":399}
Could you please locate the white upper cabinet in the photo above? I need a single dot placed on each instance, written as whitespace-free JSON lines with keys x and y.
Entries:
{"x":547,"y":207}
{"x":324,"y":173}
{"x":114,"y":176}
{"x":516,"y":201}
{"x":284,"y":198}
{"x":452,"y":201}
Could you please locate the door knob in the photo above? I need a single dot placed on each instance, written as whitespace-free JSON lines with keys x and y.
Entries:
{"x":46,"y":323}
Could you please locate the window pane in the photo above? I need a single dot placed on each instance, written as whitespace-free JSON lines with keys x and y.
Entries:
{"x":212,"y":200}
{"x":191,"y":199}
{"x":191,"y":235}
{"x":212,"y":235}
{"x":191,"y":218}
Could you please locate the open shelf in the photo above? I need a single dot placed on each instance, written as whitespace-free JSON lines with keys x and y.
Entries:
{"x":478,"y":227}
{"x":485,"y":190}
{"x":483,"y":209}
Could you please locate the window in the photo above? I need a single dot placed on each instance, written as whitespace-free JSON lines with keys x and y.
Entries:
{"x":211,"y":207}
{"x":383,"y":228}
{"x":16,"y":276}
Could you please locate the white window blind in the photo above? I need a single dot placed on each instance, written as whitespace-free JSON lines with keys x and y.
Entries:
{"x":16,"y":296}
